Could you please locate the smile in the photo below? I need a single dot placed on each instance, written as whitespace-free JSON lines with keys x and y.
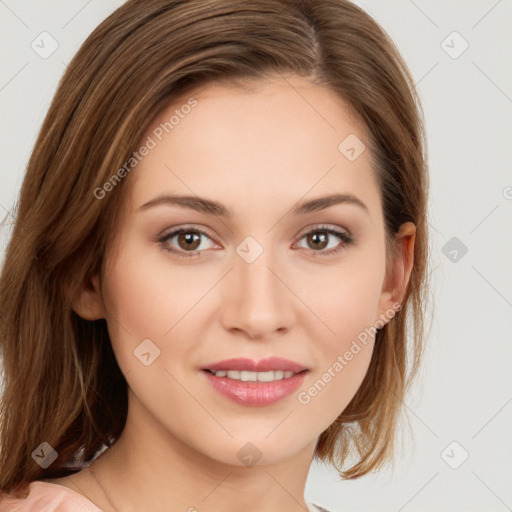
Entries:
{"x":246,"y":376}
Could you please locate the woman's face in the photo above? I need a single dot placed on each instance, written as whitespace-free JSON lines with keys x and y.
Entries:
{"x":259,"y":275}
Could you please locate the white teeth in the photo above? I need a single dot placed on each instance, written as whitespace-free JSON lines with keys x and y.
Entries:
{"x":266,"y":376}
{"x":246,"y":376}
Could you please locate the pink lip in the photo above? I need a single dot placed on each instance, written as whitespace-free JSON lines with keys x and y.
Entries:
{"x":263,"y":365}
{"x":256,"y":393}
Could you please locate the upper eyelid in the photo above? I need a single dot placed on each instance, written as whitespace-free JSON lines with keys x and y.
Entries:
{"x":174,"y":231}
{"x":322,"y":226}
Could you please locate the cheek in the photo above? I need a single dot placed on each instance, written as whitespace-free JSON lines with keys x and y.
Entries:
{"x":329,"y":391}
{"x":148,"y":289}
{"x":148,"y":296}
{"x":345,"y":298}
{"x":344,"y":350}
{"x":142,"y":299}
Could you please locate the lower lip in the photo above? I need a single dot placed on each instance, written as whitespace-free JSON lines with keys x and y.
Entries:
{"x":256,"y":393}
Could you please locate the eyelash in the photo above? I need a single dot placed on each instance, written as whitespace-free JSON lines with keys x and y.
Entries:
{"x":344,"y":237}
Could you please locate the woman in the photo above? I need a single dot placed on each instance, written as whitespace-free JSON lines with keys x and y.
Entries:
{"x":220,"y":235}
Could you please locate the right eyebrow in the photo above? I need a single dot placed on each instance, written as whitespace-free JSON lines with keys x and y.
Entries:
{"x":199,"y":204}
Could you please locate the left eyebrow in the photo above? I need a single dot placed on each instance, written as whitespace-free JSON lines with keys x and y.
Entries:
{"x":321,"y":203}
{"x":210,"y":207}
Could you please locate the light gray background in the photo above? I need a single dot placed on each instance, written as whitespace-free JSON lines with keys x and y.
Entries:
{"x":465,"y":391}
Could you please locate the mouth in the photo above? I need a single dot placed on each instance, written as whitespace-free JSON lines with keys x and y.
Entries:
{"x":255,"y":383}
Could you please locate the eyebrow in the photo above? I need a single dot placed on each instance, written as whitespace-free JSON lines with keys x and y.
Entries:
{"x":208,"y":206}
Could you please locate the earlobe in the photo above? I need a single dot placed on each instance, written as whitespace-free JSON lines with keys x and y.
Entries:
{"x":87,"y":301}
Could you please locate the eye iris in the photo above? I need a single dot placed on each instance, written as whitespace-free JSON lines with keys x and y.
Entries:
{"x":192,"y":240}
{"x":316,"y":237}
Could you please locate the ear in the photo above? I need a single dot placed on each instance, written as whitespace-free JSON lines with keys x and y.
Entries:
{"x":86,"y":301}
{"x":395,"y":284}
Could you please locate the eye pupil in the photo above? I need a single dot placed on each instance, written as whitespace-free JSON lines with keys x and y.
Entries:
{"x":318,"y":237}
{"x":192,"y":240}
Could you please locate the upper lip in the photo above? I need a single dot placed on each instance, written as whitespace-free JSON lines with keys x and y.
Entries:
{"x":263,"y":365}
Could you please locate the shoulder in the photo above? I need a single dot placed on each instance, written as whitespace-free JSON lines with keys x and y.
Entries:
{"x":49,"y":497}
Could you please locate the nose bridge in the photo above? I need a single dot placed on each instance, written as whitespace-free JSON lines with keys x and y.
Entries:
{"x":253,"y":270}
{"x":257,"y":302}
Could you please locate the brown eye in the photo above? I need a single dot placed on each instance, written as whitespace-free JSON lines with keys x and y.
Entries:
{"x":186,"y":242}
{"x":189,"y":240}
{"x":323,"y":237}
{"x":317,"y":240}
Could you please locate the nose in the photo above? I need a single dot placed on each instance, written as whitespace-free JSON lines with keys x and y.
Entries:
{"x":257,"y":299}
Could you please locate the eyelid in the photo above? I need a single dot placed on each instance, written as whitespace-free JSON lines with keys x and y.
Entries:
{"x":320,"y":227}
{"x":186,"y":227}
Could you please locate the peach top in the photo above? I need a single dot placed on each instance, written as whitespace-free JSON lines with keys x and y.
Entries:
{"x":48,"y":497}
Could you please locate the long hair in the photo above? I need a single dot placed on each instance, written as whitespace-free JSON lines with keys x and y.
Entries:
{"x":62,"y":384}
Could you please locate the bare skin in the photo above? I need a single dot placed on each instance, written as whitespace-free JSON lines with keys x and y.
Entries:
{"x":258,"y":152}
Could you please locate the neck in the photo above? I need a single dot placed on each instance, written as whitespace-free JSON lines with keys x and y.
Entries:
{"x":150,"y":469}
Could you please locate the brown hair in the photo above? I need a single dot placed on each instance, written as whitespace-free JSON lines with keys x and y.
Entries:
{"x":62,"y":384}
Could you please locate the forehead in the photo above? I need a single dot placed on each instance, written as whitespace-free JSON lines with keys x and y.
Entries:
{"x":275,"y":140}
